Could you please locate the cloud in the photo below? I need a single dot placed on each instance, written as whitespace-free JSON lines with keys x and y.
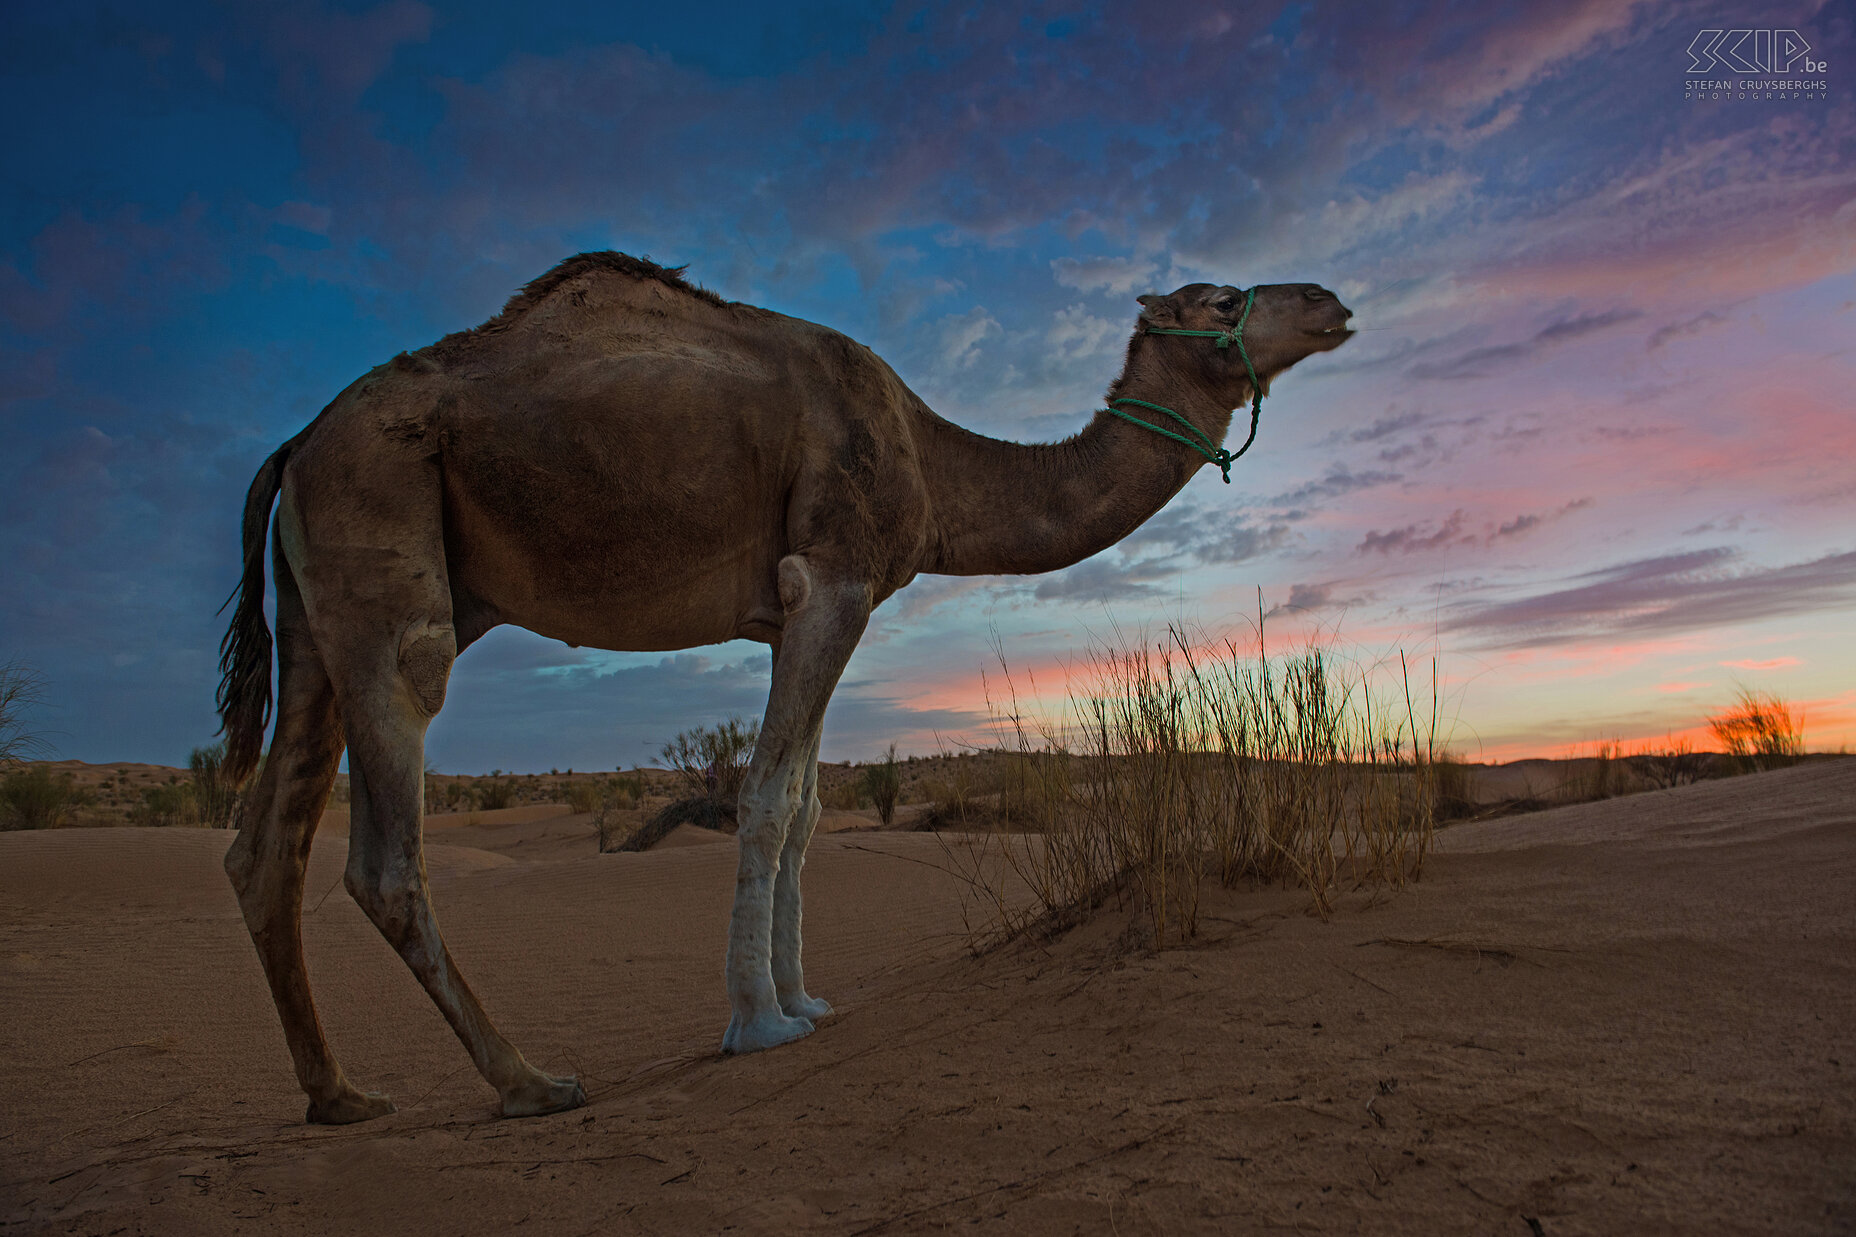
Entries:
{"x":1307,"y":598}
{"x":1338,"y":480}
{"x":1118,"y":276}
{"x":1667,"y":593}
{"x":1482,"y":362}
{"x":1526,"y":523}
{"x":1108,"y":577}
{"x":1771,"y":663}
{"x":961,"y":336}
{"x":1688,"y":326}
{"x":332,"y":57}
{"x":1416,"y":537}
{"x":1209,"y":536}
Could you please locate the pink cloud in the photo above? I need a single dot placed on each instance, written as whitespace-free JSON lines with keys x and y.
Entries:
{"x":1774,"y":663}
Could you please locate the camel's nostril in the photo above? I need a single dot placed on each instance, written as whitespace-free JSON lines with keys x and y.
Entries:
{"x":1318,"y":294}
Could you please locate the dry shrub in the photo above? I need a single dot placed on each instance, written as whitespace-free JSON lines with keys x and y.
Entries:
{"x":33,"y":797}
{"x":1673,"y":762}
{"x":495,"y":793}
{"x":1182,"y":764}
{"x":1759,"y":731}
{"x":21,"y":688}
{"x":713,"y":762}
{"x":882,"y":784}
{"x":215,"y":799}
{"x":844,"y":797}
{"x":1455,"y":798}
{"x":585,"y":797}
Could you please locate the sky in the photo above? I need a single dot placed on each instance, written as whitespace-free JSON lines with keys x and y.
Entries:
{"x":1590,"y":453}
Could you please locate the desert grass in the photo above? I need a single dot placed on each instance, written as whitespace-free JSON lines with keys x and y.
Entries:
{"x":1759,"y":731}
{"x":1180,"y":764}
{"x":1605,"y":774}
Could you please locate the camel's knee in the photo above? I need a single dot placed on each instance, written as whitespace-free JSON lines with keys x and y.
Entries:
{"x":768,"y":815}
{"x":426,"y":653}
{"x":390,"y":899}
{"x":799,"y":836}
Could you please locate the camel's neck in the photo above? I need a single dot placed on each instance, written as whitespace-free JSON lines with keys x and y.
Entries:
{"x":1018,"y":509}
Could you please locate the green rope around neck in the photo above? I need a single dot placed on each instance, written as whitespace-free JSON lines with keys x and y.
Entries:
{"x":1198,"y":441}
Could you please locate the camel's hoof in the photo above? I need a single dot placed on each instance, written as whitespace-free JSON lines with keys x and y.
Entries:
{"x":543,"y":1094}
{"x":769,"y":1030}
{"x":348,"y":1107}
{"x":807,"y":1007}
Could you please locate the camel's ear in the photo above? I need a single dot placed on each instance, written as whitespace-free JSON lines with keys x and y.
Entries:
{"x":1157,"y":310}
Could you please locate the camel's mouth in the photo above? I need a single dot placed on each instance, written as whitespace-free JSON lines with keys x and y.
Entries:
{"x":1331,"y":336}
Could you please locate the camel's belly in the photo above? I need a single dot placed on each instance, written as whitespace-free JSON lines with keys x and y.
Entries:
{"x":605,"y":576}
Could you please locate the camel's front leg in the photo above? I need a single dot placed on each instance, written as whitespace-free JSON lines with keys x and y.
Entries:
{"x":824,"y":619}
{"x":788,"y":976}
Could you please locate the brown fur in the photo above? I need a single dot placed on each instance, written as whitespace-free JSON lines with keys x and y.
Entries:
{"x":622,"y":460}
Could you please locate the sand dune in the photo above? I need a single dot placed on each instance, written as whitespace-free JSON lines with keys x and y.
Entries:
{"x":1625,"y":1017}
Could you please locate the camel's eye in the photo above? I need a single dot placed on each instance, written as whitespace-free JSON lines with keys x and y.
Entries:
{"x":1225,"y":303}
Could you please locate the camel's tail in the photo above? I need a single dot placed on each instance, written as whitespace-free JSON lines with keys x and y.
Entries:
{"x":245,"y":653}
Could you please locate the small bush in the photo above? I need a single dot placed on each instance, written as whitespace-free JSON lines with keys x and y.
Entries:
{"x":713,"y":762}
{"x":214,"y":798}
{"x":496,"y":793}
{"x":846,"y":796}
{"x":1759,"y":731}
{"x":34,"y":798}
{"x":166,"y":805}
{"x":882,"y":783}
{"x":1673,"y":762}
{"x":584,"y":797}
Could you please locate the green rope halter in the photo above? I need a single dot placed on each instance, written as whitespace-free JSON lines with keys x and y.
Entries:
{"x":1199,"y":442}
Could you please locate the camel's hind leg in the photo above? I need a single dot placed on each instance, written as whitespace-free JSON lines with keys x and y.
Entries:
{"x":385,"y":710}
{"x":383,"y":622}
{"x":268,"y":859}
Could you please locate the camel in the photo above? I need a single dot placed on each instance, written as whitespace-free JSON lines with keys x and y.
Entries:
{"x":623,"y":460}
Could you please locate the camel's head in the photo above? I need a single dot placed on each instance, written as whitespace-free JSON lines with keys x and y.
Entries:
{"x":1287,"y":321}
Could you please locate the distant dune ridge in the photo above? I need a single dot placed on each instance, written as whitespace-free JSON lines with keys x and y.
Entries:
{"x":1627,"y":1016}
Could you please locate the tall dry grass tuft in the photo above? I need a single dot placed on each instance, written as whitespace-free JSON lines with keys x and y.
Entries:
{"x":1605,"y":774}
{"x":1181,"y":764}
{"x":1759,"y":731}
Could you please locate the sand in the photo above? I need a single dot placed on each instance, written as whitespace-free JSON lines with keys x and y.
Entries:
{"x":1625,"y":1017}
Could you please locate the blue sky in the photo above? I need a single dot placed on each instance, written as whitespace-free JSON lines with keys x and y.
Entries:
{"x":1592,"y":451}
